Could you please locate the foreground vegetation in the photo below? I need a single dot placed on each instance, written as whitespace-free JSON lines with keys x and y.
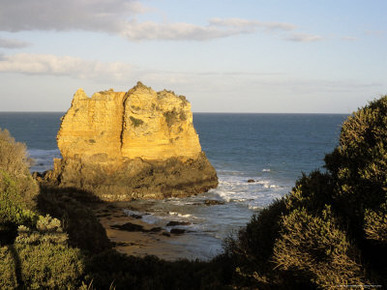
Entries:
{"x":34,"y":251}
{"x":329,"y":231}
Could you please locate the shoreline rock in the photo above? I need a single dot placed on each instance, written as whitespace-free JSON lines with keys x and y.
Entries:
{"x":178,"y":223}
{"x":135,"y":145}
{"x":210,"y":202}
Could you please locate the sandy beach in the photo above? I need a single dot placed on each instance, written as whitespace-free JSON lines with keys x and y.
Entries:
{"x":132,"y":236}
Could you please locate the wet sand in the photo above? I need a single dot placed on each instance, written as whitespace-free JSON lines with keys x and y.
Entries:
{"x":139,"y":238}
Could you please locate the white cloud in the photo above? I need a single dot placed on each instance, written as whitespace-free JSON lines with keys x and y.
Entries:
{"x":170,"y":31}
{"x":90,"y":15}
{"x":118,"y":17}
{"x":46,"y":64}
{"x":216,"y":28}
{"x":13,"y":43}
{"x":377,"y":33}
{"x":349,"y":38}
{"x":251,"y":24}
{"x":304,"y":37}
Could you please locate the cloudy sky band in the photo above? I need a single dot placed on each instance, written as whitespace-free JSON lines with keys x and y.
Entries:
{"x":257,"y":49}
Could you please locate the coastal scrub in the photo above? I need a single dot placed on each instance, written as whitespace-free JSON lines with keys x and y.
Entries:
{"x":330,"y":230}
{"x":33,"y":248}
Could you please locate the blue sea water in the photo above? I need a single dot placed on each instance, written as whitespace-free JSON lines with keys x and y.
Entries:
{"x":271,"y":149}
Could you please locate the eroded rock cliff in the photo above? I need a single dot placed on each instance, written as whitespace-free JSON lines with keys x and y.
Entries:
{"x":139,"y":144}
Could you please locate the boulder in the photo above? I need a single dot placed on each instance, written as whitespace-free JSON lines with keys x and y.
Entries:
{"x":129,"y":227}
{"x":177,"y":231}
{"x":177,"y":223}
{"x":213,"y":202}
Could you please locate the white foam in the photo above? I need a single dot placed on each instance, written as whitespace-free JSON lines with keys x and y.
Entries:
{"x":254,"y":207}
{"x":129,"y":212}
{"x":185,"y":216}
{"x":160,"y":218}
{"x":254,"y":195}
{"x":151,"y":219}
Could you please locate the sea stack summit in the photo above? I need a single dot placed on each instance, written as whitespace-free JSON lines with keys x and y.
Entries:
{"x":138,"y":144}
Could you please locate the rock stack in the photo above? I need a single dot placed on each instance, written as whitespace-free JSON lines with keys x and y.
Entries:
{"x":138,"y":144}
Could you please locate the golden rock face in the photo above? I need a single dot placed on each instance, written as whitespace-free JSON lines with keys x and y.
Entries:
{"x":123,"y":146}
{"x":138,"y":124}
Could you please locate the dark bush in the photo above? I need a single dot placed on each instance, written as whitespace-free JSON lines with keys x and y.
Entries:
{"x":359,"y":164}
{"x":72,"y":206}
{"x":33,"y":249}
{"x":111,"y":268}
{"x":314,"y":249}
{"x":17,"y":188}
{"x":14,"y":170}
{"x":330,"y":230}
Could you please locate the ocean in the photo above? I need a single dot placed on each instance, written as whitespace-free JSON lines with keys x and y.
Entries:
{"x":272,"y":150}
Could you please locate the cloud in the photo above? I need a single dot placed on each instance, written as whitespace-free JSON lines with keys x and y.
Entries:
{"x":119,"y":17}
{"x":90,"y":15}
{"x":216,"y":28}
{"x":349,"y":38}
{"x":46,"y":64}
{"x":377,"y":33}
{"x":304,"y":37}
{"x":117,"y":74}
{"x":251,"y":24}
{"x":171,"y":31}
{"x":13,"y":43}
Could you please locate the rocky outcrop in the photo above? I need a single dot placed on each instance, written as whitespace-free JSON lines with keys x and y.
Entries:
{"x":139,"y":144}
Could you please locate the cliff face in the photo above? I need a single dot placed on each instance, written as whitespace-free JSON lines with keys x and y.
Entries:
{"x":139,"y":144}
{"x":140,"y":123}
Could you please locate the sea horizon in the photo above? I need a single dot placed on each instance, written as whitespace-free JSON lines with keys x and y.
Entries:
{"x":231,"y":113}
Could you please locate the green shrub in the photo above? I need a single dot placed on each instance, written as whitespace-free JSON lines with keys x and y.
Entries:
{"x":48,"y":265}
{"x":171,"y":117}
{"x":136,"y":122}
{"x":182,"y":116}
{"x":358,"y":167}
{"x":8,"y":279}
{"x":13,"y":209}
{"x":40,"y":258}
{"x":375,"y":224}
{"x":315,"y":249}
{"x":255,"y":242}
{"x":72,"y":207}
{"x":35,"y":253}
{"x":359,"y":164}
{"x":111,"y":268}
{"x":311,"y":191}
{"x":13,"y":157}
{"x":12,"y":206}
{"x":17,"y":188}
{"x":14,"y":171}
{"x":249,"y":254}
{"x":331,"y":228}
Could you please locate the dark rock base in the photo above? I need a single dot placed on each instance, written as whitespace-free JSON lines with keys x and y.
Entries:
{"x":135,"y":179}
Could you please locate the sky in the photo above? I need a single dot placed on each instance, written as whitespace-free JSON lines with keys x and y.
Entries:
{"x":257,"y":56}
